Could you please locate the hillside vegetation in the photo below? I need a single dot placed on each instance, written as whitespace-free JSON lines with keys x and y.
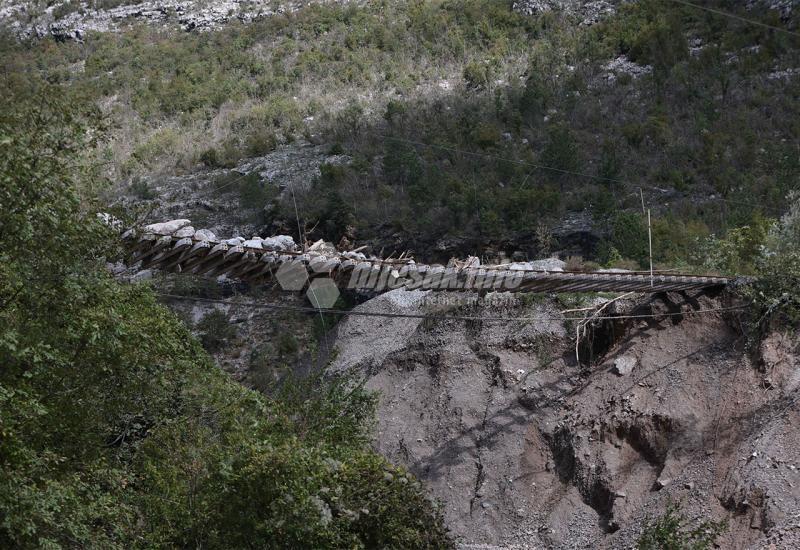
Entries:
{"x":466,"y":119}
{"x":116,"y":429}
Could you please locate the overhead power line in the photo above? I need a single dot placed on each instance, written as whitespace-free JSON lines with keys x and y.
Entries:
{"x":306,"y":309}
{"x":737,"y":17}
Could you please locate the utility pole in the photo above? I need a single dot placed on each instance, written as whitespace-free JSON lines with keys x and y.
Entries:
{"x":641,"y":195}
{"x":650,"y":242}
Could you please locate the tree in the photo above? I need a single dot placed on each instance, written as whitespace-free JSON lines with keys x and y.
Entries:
{"x":560,"y":153}
{"x":117,"y":431}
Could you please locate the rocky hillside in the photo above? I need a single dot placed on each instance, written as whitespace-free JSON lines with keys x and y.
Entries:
{"x":73,"y":19}
{"x":512,"y":131}
{"x":464,"y":127}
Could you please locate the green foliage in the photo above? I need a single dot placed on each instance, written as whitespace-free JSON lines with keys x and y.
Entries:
{"x":119,"y":432}
{"x":739,"y":251}
{"x":477,"y":75}
{"x":698,"y":124}
{"x":628,"y":237}
{"x":610,"y":164}
{"x":140,"y":189}
{"x":216,"y":331}
{"x":255,"y":193}
{"x":676,"y":241}
{"x":287,"y":344}
{"x":338,"y":409}
{"x":671,"y":532}
{"x":535,"y":97}
{"x":561,"y":151}
{"x":775,"y":290}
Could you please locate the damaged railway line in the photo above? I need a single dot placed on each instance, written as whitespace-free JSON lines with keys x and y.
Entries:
{"x":175,"y":246}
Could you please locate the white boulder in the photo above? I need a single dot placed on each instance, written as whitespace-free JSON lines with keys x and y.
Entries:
{"x":252,"y":243}
{"x":280,"y":242}
{"x":167,"y":228}
{"x":624,"y":365}
{"x":184,"y":232}
{"x":548,"y":264}
{"x":204,"y":235}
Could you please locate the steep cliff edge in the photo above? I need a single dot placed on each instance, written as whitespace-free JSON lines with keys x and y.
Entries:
{"x":527,"y":448}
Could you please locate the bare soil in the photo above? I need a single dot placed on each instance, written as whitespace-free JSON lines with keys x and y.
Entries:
{"x":528,"y":448}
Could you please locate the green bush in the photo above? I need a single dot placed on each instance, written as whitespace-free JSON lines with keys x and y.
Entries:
{"x":671,"y":531}
{"x":477,"y":75}
{"x":535,"y":98}
{"x":254,"y":193}
{"x":628,"y":235}
{"x":775,"y":290}
{"x":140,"y":189}
{"x":561,"y":152}
{"x":739,"y":251}
{"x":216,"y":330}
{"x":210,"y":158}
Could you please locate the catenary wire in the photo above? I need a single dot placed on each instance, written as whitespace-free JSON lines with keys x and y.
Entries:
{"x":737,"y":17}
{"x":305,"y":309}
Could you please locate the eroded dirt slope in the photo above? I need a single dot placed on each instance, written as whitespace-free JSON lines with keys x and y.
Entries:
{"x":528,"y":448}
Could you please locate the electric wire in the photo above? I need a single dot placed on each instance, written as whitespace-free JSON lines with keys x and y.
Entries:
{"x":306,"y":309}
{"x":737,"y":17}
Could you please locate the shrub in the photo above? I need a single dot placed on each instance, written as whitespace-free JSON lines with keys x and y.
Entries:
{"x":254,"y":193}
{"x":210,"y":158}
{"x":610,"y":163}
{"x":561,"y":152}
{"x":535,"y":97}
{"x":216,"y":331}
{"x":775,"y":290}
{"x":671,"y":532}
{"x":140,"y":189}
{"x":222,"y":157}
{"x":287,"y":344}
{"x":477,"y":75}
{"x":738,"y":252}
{"x":486,"y":135}
{"x":159,"y":145}
{"x":628,"y":236}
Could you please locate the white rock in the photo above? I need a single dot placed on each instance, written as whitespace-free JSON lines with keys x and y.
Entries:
{"x":183,"y":232}
{"x":623,"y":65}
{"x":354,"y":255}
{"x":143,"y":275}
{"x":548,"y":264}
{"x":280,"y":242}
{"x":624,"y":365}
{"x":167,"y":228}
{"x":253,"y":243}
{"x":204,"y":235}
{"x":235,"y":241}
{"x":111,"y":221}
